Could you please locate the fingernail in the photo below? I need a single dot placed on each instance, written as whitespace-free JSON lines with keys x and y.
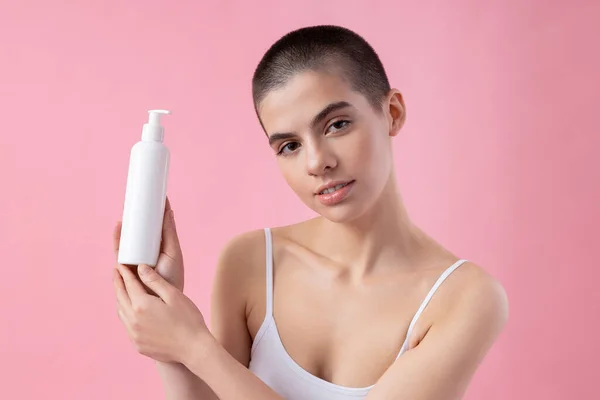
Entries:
{"x":144,"y":269}
{"x":172,"y":215}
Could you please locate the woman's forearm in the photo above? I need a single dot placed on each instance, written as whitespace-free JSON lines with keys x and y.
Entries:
{"x":180,"y":383}
{"x":227,"y":378}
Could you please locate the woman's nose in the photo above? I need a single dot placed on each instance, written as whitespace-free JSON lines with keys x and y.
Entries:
{"x":319,"y":159}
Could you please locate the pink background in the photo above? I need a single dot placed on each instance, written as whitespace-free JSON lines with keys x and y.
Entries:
{"x":496,"y":161}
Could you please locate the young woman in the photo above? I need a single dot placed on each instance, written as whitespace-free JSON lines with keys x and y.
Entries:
{"x":356,"y":303}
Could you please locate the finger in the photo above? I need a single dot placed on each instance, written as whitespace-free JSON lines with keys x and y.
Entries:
{"x":167,"y":203}
{"x":120,"y":314}
{"x":117,"y":237}
{"x":156,"y":283}
{"x":125,"y":321}
{"x":134,"y":288}
{"x":123,"y":300}
{"x":170,"y":241}
{"x":134,"y":272}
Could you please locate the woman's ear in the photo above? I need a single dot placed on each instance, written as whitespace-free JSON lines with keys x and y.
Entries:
{"x":396,"y":111}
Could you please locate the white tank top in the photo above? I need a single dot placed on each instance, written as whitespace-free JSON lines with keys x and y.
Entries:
{"x":274,"y":366}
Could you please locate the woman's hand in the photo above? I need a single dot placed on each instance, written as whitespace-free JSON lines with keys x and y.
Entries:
{"x":163,"y":328}
{"x":170,"y":259}
{"x":140,"y":313}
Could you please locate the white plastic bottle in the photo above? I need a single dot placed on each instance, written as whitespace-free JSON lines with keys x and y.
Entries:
{"x":145,"y":196}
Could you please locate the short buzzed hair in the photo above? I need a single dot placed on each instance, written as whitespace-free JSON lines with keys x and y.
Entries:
{"x":322,"y":48}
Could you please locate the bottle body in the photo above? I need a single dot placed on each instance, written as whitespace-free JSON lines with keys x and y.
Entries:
{"x":145,"y":197}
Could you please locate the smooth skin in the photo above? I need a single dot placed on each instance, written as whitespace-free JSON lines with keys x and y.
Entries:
{"x":361,"y":267}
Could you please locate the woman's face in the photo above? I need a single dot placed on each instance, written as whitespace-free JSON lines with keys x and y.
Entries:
{"x":333,"y":148}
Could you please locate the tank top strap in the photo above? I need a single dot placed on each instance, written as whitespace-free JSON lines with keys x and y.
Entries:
{"x":269,"y":271}
{"x":432,"y":291}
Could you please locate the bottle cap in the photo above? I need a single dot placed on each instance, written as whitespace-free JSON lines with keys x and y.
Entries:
{"x":153,"y":130}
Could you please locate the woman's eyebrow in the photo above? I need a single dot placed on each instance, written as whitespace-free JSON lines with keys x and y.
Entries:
{"x":275,"y":137}
{"x":328,"y":110}
{"x":321,"y":115}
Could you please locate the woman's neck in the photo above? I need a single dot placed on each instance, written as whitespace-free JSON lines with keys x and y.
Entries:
{"x":383,"y":237}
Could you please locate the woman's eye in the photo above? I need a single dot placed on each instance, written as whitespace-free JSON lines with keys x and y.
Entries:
{"x":338,"y":125}
{"x":288,"y":148}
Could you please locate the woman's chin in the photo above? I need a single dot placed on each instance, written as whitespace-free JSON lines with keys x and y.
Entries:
{"x":340,"y":213}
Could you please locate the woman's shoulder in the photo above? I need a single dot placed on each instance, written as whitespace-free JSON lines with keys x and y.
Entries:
{"x":241,"y":253}
{"x":244,"y":254}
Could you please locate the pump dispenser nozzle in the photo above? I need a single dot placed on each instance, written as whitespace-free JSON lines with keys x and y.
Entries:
{"x":153,"y":130}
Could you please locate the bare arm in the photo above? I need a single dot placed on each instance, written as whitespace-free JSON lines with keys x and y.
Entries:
{"x":228,"y":323}
{"x":181,"y":384}
{"x":225,"y":375}
{"x":441,"y":366}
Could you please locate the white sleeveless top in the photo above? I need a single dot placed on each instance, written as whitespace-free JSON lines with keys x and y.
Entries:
{"x":274,"y":366}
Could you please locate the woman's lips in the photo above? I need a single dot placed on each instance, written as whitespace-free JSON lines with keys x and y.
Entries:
{"x":330,"y":198}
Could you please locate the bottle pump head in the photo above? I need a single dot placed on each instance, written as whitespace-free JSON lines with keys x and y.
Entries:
{"x":153,"y":130}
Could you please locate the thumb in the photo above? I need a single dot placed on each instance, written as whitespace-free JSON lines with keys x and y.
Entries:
{"x":170,"y":239}
{"x":156,"y":283}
